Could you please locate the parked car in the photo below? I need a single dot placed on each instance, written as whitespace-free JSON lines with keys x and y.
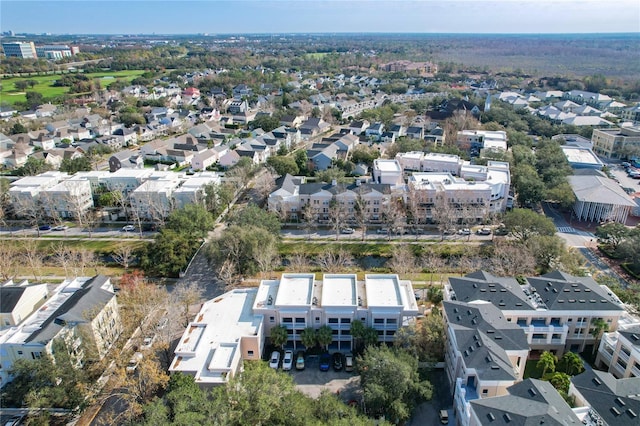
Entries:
{"x":501,"y":231}
{"x":148,"y":341}
{"x":60,"y":228}
{"x":337,"y":361}
{"x":133,"y":362}
{"x":484,"y":231}
{"x":300,"y":361}
{"x":287,"y":361}
{"x":382,"y":231}
{"x":44,"y":228}
{"x":444,"y":417}
{"x":275,"y":360}
{"x":325,"y":362}
{"x":348,"y":363}
{"x":464,"y":231}
{"x":347,"y":231}
{"x":449,"y":231}
{"x":128,"y":228}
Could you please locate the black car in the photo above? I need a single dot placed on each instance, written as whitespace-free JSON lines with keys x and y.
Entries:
{"x":337,"y":361}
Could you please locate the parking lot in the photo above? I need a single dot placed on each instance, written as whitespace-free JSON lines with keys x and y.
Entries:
{"x":311,"y":381}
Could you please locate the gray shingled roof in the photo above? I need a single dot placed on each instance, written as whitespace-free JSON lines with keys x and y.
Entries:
{"x":617,"y":401}
{"x":530,"y":402}
{"x":561,"y":291}
{"x":483,"y":336}
{"x":86,"y":299}
{"x":505,"y":293}
{"x":9,"y":297}
{"x":632,"y":334}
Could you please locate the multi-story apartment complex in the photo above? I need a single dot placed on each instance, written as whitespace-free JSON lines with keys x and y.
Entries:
{"x":615,"y":143}
{"x":153,"y":199}
{"x":483,"y":139}
{"x":556,"y":311}
{"x":18,"y":301}
{"x":619,"y":351}
{"x":70,"y":198}
{"x":484,"y":354}
{"x":530,"y":402}
{"x":233,"y":327}
{"x":83,"y":313}
{"x":25,"y":50}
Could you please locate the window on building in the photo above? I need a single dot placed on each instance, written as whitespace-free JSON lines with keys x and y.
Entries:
{"x":272,"y":319}
{"x":19,"y":352}
{"x":392,"y":321}
{"x":335,"y":332}
{"x":300,"y":321}
{"x":317,"y":319}
{"x":485,"y":391}
{"x":250,"y":354}
{"x":378,"y":320}
{"x":345,"y":320}
{"x":380,"y":332}
{"x":333,"y":320}
{"x":288,"y":320}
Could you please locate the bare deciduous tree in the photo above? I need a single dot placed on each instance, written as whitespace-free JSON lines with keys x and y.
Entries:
{"x":32,"y":257}
{"x":330,"y":261}
{"x":511,"y":259}
{"x":403,"y":260}
{"x":337,"y":216}
{"x":123,"y":255}
{"x":9,"y":260}
{"x":298,"y":262}
{"x":443,"y":214}
{"x":310,"y":218}
{"x":433,"y":263}
{"x":186,"y":295}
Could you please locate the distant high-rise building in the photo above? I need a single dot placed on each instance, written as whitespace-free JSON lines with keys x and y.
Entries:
{"x":26,"y":50}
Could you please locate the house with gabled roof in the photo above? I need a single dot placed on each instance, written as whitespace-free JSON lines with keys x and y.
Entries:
{"x":19,"y":300}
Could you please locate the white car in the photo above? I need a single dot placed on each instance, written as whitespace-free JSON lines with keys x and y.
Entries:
{"x":347,"y":231}
{"x":60,"y":228}
{"x":133,"y":362}
{"x":464,"y":231}
{"x":147,"y":343}
{"x":274,"y":362}
{"x":128,"y":228}
{"x":287,"y":361}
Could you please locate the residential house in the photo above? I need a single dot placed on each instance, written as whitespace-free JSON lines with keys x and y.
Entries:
{"x":128,"y":136}
{"x":242,"y":91}
{"x":44,"y":141}
{"x":230,"y":158}
{"x":477,"y":140}
{"x":82,"y":312}
{"x":237,"y":107}
{"x":415,"y":132}
{"x":450,"y":106}
{"x":312,"y":127}
{"x":632,"y":114}
{"x":18,"y":301}
{"x":50,"y":157}
{"x":322,"y":155}
{"x":292,"y":120}
{"x":124,"y":159}
{"x":357,"y":127}
{"x":204,"y":159}
{"x":7,"y":112}
{"x":375,"y":131}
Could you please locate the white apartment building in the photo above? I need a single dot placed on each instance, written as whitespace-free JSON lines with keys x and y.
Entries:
{"x":298,"y":301}
{"x":82,"y":312}
{"x":483,"y":139}
{"x":619,"y":351}
{"x":153,"y":199}
{"x":232,"y":327}
{"x":25,"y":193}
{"x":556,"y":311}
{"x":192,"y":191}
{"x":387,"y":172}
{"x":71,"y":198}
{"x":225,"y":332}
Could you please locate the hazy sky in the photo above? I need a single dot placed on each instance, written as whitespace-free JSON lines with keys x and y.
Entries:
{"x":269,"y":16}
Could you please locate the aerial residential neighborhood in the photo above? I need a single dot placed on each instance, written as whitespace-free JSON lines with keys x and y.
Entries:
{"x":363,"y":223}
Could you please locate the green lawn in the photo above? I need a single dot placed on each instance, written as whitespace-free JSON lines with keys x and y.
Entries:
{"x":9,"y":94}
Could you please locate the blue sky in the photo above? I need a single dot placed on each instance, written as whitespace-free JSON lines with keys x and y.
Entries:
{"x":269,"y":16}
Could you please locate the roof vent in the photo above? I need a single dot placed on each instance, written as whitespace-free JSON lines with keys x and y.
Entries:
{"x":615,"y":411}
{"x":314,"y":301}
{"x":635,"y":337}
{"x":507,"y":417}
{"x":455,"y":310}
{"x":518,"y":303}
{"x":483,"y":290}
{"x":631,"y":413}
{"x":488,"y":358}
{"x":532,"y":392}
{"x":491,"y":417}
{"x":495,"y":367}
{"x":498,"y":337}
{"x":270,"y":300}
{"x":620,"y":402}
{"x":596,"y":381}
{"x":475,"y":285}
{"x":503,"y":290}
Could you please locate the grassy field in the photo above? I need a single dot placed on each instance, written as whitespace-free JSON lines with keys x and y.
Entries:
{"x":316,"y":55}
{"x":9,"y":94}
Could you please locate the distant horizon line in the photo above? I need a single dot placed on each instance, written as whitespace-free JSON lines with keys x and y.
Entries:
{"x":324,"y":33}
